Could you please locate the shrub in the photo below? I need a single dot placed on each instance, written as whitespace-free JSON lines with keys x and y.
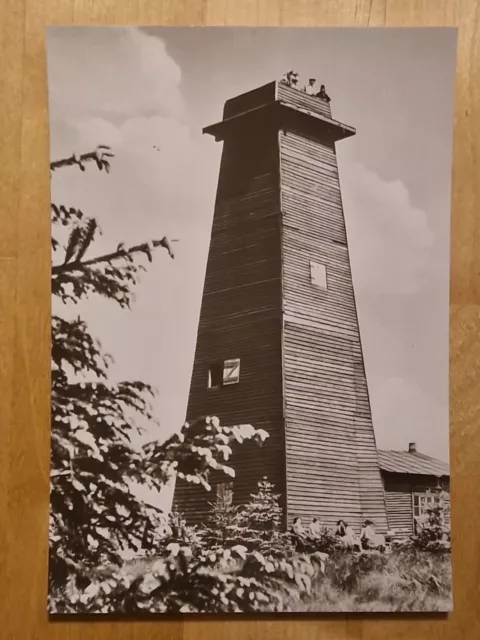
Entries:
{"x":259,"y":523}
{"x":345,"y":569}
{"x":434,"y":534}
{"x":403,"y":580}
{"x":326,"y":541}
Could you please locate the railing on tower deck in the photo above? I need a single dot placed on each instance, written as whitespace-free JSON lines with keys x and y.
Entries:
{"x":272,"y":92}
{"x":300,"y":99}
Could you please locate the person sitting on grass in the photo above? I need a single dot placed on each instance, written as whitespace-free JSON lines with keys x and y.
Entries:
{"x":299,"y":534}
{"x":297,"y":527}
{"x":315,"y":529}
{"x":367,"y":534}
{"x":347,"y":535}
{"x":370,"y":539}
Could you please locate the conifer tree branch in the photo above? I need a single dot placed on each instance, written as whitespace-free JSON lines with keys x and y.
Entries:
{"x":99,"y":156}
{"x":145,"y":247}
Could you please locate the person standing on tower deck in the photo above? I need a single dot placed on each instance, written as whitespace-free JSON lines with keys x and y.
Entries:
{"x":291,"y":78}
{"x":310,"y":89}
{"x":322,"y":94}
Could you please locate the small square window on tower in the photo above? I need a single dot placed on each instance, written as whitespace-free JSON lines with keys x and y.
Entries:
{"x":224,"y":373}
{"x":318,"y":274}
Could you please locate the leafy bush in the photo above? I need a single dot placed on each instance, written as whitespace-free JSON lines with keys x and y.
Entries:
{"x":325,"y":541}
{"x":180,"y":582}
{"x":345,"y":569}
{"x":259,"y":523}
{"x":221,"y":528}
{"x":434,"y":533}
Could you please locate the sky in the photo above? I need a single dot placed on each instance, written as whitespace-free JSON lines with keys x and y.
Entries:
{"x":136,"y":89}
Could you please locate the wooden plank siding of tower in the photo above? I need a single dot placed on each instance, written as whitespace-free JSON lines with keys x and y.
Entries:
{"x":278,"y":209}
{"x":241,"y":318}
{"x":331,"y":455}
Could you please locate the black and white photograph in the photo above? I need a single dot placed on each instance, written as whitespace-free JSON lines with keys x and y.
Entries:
{"x":250,"y":319}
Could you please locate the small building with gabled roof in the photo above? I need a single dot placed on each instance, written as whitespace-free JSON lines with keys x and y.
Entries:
{"x":410,"y":480}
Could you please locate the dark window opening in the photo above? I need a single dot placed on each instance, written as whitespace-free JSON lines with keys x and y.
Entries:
{"x":215,"y":375}
{"x":224,"y":373}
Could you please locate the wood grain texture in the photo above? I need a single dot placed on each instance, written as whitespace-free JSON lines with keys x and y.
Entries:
{"x":24,"y":314}
{"x":279,"y":210}
{"x":241,"y":316}
{"x":327,"y":412}
{"x":399,"y":490}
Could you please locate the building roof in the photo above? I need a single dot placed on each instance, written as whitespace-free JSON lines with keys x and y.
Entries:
{"x":412,"y":462}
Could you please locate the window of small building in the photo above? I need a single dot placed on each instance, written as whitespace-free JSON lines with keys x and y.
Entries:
{"x":318,"y":275}
{"x":421,"y":503}
{"x":224,"y":373}
{"x":224,"y":492}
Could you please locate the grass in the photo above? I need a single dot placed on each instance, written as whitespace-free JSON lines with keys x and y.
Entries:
{"x":406,"y":580}
{"x":414,"y":581}
{"x":400,"y":581}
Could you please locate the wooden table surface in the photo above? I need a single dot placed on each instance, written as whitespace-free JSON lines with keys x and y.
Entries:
{"x":25,"y":307}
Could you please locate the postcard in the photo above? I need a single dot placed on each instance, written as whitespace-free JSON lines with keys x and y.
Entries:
{"x":250,"y":307}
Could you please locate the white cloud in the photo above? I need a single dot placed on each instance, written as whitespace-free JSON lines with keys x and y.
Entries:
{"x":116,"y":71}
{"x":403,"y":414}
{"x":391,"y":247}
{"x":384,"y":228}
{"x":162,"y":181}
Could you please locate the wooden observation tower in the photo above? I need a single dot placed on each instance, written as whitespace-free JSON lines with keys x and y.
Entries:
{"x":278,"y":341}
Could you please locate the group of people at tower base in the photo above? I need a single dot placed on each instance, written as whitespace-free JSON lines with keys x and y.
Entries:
{"x":291,"y":79}
{"x":367,"y":540}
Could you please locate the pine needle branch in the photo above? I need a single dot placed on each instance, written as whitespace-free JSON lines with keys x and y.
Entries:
{"x":99,"y":156}
{"x":145,"y":248}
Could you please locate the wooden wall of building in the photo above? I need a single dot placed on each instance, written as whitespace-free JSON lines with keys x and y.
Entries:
{"x":332,"y":467}
{"x":241,"y":316}
{"x":399,"y":490}
{"x":278,"y":207}
{"x":398,"y":500}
